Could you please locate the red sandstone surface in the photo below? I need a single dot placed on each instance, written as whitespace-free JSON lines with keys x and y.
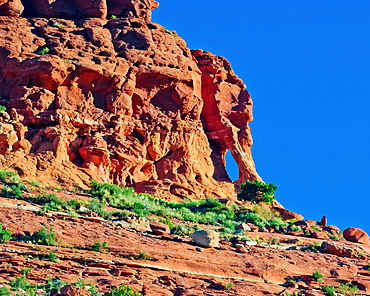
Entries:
{"x":94,"y":89}
{"x":277,"y":265}
{"x":119,"y":99}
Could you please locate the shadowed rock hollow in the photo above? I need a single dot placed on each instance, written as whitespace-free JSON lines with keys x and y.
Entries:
{"x":118,"y":99}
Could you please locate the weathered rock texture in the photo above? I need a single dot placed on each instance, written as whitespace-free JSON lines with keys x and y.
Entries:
{"x":120,"y":100}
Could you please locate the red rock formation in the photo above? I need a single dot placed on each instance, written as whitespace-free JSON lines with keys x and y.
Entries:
{"x":11,"y":7}
{"x":356,"y":235}
{"x":120,"y":100}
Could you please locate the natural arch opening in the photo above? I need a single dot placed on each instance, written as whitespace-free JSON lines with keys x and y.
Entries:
{"x":231,"y":166}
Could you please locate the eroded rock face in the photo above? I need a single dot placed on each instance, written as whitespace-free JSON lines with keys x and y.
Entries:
{"x":78,"y":8}
{"x":120,"y":100}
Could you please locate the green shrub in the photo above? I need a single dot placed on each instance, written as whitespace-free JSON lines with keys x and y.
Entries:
{"x":275,"y":241}
{"x":25,"y":271}
{"x":315,"y":228}
{"x":169,"y":223}
{"x":257,"y":192}
{"x":317,"y":275}
{"x":181,"y":229}
{"x":34,"y":183}
{"x":45,"y":236}
{"x":145,"y":256}
{"x":347,"y":289}
{"x":100,"y":247}
{"x":4,"y":291}
{"x":209,"y":211}
{"x":42,"y":50}
{"x":121,"y":214}
{"x":122,"y":291}
{"x":278,"y":224}
{"x":9,"y":176}
{"x":295,"y":228}
{"x":329,"y":290}
{"x":254,"y":218}
{"x":336,"y":237}
{"x":80,"y":283}
{"x":55,"y":284}
{"x":52,"y":256}
{"x":266,"y":213}
{"x":2,"y":108}
{"x":5,"y":235}
{"x":13,"y":191}
{"x":20,"y":283}
{"x":344,"y":289}
{"x":98,"y":207}
{"x":58,"y":25}
{"x":228,"y":286}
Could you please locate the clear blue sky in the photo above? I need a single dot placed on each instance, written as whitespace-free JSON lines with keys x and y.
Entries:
{"x":307,"y":66}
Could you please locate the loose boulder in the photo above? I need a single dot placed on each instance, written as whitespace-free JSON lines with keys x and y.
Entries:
{"x":206,"y":238}
{"x":159,"y":228}
{"x":356,"y":235}
{"x":340,"y":249}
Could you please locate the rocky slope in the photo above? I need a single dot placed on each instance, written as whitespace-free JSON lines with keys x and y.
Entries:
{"x":94,"y":89}
{"x":170,"y":264}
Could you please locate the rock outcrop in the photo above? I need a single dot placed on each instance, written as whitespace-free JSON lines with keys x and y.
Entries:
{"x":118,"y":99}
{"x":356,"y":235}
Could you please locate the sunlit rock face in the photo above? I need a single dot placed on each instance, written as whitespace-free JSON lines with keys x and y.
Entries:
{"x":94,"y":89}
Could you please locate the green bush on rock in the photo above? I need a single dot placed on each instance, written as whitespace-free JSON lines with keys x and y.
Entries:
{"x":257,"y":191}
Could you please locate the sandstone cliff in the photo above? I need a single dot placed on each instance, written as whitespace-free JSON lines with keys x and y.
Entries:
{"x":94,"y":89}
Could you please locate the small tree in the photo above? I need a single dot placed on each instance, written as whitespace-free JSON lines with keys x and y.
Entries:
{"x":257,"y":191}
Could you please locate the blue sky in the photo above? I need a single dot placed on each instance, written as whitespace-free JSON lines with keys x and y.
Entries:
{"x":307,"y":67}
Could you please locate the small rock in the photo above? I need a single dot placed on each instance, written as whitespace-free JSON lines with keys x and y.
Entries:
{"x":206,"y":238}
{"x":251,"y":243}
{"x":333,"y":230}
{"x":356,"y":235}
{"x":83,"y":209}
{"x":244,"y":227}
{"x":166,"y":280}
{"x":70,"y":290}
{"x":159,"y":228}
{"x":241,"y":248}
{"x":320,"y":235}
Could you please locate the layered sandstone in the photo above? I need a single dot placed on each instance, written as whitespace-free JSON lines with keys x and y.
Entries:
{"x":120,"y":100}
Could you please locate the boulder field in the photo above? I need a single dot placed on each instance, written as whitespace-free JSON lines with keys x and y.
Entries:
{"x":95,"y":90}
